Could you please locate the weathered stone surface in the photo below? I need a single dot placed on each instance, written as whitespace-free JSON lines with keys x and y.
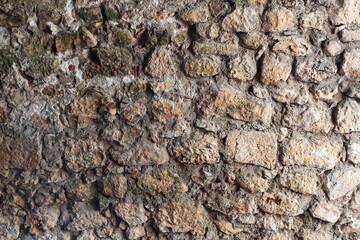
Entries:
{"x":278,"y":20}
{"x":134,"y":112}
{"x":215,"y":48}
{"x":350,"y":35}
{"x":309,"y":118}
{"x":182,"y":217}
{"x":353,"y":149}
{"x":275,"y":68}
{"x":314,"y":20}
{"x":253,"y":39}
{"x":231,"y":207}
{"x":80,"y":155}
{"x":289,"y":93}
{"x":347,"y":116}
{"x":144,"y":153}
{"x":345,"y":12}
{"x":326,"y":90}
{"x":296,"y":46}
{"x":333,"y":48}
{"x":350,"y":67}
{"x":313,"y":152}
{"x":197,"y":14}
{"x":243,"y":67}
{"x":314,"y":69}
{"x":279,"y":203}
{"x":254,"y":184}
{"x":9,"y":227}
{"x":258,"y":148}
{"x":238,"y":105}
{"x":19,"y":153}
{"x":165,"y":110}
{"x":208,"y":30}
{"x":159,"y":64}
{"x":198,"y":150}
{"x":355,"y":202}
{"x":114,"y":186}
{"x":136,"y":232}
{"x":243,"y":19}
{"x":84,"y":220}
{"x":299,"y":180}
{"x":202,"y":67}
{"x":326,"y":212}
{"x":341,"y":181}
{"x":132,"y":214}
{"x":227,"y":227}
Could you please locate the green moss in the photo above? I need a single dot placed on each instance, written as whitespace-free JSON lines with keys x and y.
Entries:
{"x":67,"y":41}
{"x":110,"y":14}
{"x":91,"y":15}
{"x":45,"y":65}
{"x":244,"y":2}
{"x":180,"y":38}
{"x":38,"y":45}
{"x":6,"y":62}
{"x":159,"y":37}
{"x":122,"y":39}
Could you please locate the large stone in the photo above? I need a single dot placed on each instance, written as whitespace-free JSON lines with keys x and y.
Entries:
{"x":355,"y":202}
{"x":326,"y":212}
{"x":347,"y":116}
{"x":86,"y":219}
{"x":237,"y":105}
{"x":132,"y":214}
{"x":345,"y":12}
{"x":134,"y":112}
{"x":181,"y":217}
{"x":258,"y":148}
{"x":243,"y":67}
{"x":254,"y":184}
{"x":353,"y":149}
{"x":9,"y":227}
{"x":279,"y":203}
{"x":314,"y":20}
{"x":243,"y":19}
{"x":299,"y":180}
{"x":114,"y":186}
{"x":341,"y":181}
{"x":159,"y":64}
{"x":230,"y":207}
{"x":350,"y":67}
{"x":314,"y":69}
{"x":278,"y":20}
{"x":292,"y":45}
{"x":198,"y":150}
{"x":347,"y":35}
{"x":166,"y":110}
{"x":144,"y":153}
{"x":19,"y":153}
{"x":275,"y":68}
{"x":290,"y":92}
{"x":202,"y":67}
{"x":312,"y":152}
{"x":215,"y":48}
{"x":197,"y":14}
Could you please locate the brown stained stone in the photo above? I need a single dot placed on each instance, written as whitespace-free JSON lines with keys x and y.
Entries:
{"x":314,"y":20}
{"x":166,"y":110}
{"x":159,"y":64}
{"x":229,"y":101}
{"x":351,"y":65}
{"x":347,"y":116}
{"x":243,"y":19}
{"x":254,"y":184}
{"x":18,"y":153}
{"x":202,"y":67}
{"x":326,"y":212}
{"x":243,"y":68}
{"x":312,"y":152}
{"x":114,"y":186}
{"x":134,"y":112}
{"x":181,"y":217}
{"x":275,"y":68}
{"x":132,"y":214}
{"x":292,"y":45}
{"x":197,"y":14}
{"x":300,"y":180}
{"x":144,"y":153}
{"x":258,"y":148}
{"x":314,"y":69}
{"x":279,"y":203}
{"x":230,"y":207}
{"x":278,"y":20}
{"x":215,"y":48}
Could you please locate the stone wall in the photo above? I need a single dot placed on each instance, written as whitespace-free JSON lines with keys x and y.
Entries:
{"x":180,"y":119}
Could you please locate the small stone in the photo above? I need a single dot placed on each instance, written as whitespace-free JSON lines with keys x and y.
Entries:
{"x":243,"y":19}
{"x":197,"y":14}
{"x":314,"y":69}
{"x":275,"y":68}
{"x":9,"y":227}
{"x":215,"y":48}
{"x":86,"y":219}
{"x":202,"y":67}
{"x":347,"y":116}
{"x":326,"y":212}
{"x":341,"y":181}
{"x":314,"y":20}
{"x":299,"y":180}
{"x":230,"y":207}
{"x":132,"y":214}
{"x":136,"y":232}
{"x":208,"y":30}
{"x":121,"y":38}
{"x":254,"y":184}
{"x":80,"y":155}
{"x":349,"y":35}
{"x":326,"y":90}
{"x":333,"y":48}
{"x":227,"y":227}
{"x":258,"y":148}
{"x":219,"y":8}
{"x":165,"y":110}
{"x":238,"y":105}
{"x":134,"y":112}
{"x":355,"y":202}
{"x":315,"y":118}
{"x":19,"y":153}
{"x":278,"y":20}
{"x":260,"y":91}
{"x":253,"y":39}
{"x":350,"y":67}
{"x":243,"y":68}
{"x":4,"y":38}
{"x":144,"y":153}
{"x":181,"y":217}
{"x":89,"y":39}
{"x":159,"y":64}
{"x":198,"y":150}
{"x":353,"y":149}
{"x":312,"y":152}
{"x":114,"y":186}
{"x":292,"y":45}
{"x":290,"y":93}
{"x":279,"y":203}
{"x":345,"y":12}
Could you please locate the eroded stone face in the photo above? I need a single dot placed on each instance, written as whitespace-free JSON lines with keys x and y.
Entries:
{"x":132,"y":214}
{"x":275,"y":68}
{"x":341,"y":181}
{"x":159,"y":64}
{"x":202,"y":67}
{"x":279,"y":203}
{"x":350,"y":66}
{"x":243,"y":19}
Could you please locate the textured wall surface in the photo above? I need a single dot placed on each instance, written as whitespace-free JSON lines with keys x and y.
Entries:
{"x":180,"y":119}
